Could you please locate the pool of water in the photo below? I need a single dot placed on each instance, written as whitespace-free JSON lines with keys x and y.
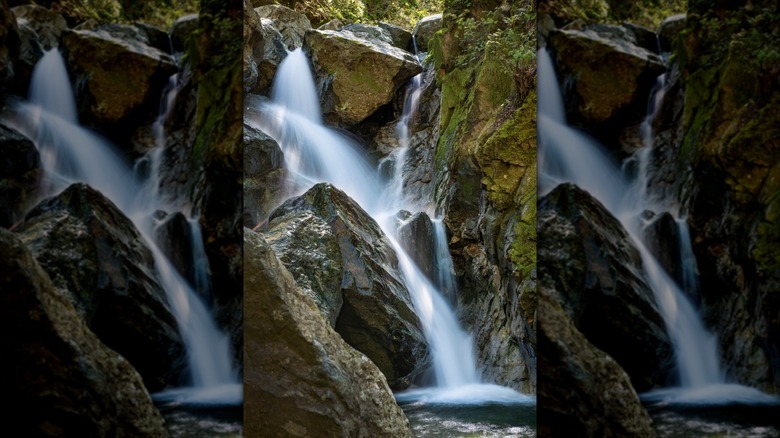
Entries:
{"x":486,"y":420}
{"x":749,"y":421}
{"x":202,"y":421}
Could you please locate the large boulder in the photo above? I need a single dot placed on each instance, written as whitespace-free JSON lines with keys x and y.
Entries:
{"x":181,"y":31}
{"x":369,"y":32}
{"x":116,"y":79}
{"x":669,"y":30}
{"x":376,"y":317}
{"x":96,"y":258}
{"x":264,"y":49}
{"x":58,"y":379}
{"x":292,"y":25}
{"x":301,"y":378}
{"x":416,"y":236}
{"x":400,"y":37}
{"x":425,"y":30}
{"x":47,"y":24}
{"x":20,"y":171}
{"x":587,"y":258}
{"x":264,"y":175}
{"x":356,"y":76}
{"x":581,"y":389}
{"x":610,"y":75}
{"x":9,"y":45}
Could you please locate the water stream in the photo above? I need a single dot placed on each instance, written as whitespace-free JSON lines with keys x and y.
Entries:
{"x":71,"y":153}
{"x":314,"y":153}
{"x":569,"y":155}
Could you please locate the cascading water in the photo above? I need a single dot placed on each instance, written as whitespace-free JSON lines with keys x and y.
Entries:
{"x":314,"y":153}
{"x":70,"y":154}
{"x":568,"y":155}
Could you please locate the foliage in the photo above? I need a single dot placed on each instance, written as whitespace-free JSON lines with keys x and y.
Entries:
{"x":404,"y":13}
{"x":648,"y":13}
{"x":160,"y":13}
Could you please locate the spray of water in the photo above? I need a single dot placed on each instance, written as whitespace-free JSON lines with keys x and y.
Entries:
{"x":314,"y":154}
{"x":71,"y":154}
{"x":568,"y":155}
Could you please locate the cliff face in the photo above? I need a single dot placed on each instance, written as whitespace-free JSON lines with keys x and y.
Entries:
{"x":485,"y":178}
{"x":730,"y":64}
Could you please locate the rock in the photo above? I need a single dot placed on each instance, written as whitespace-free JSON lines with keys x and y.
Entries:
{"x":610,"y":78}
{"x":47,"y":24}
{"x":376,"y":317}
{"x":30,"y":52}
{"x":9,"y":45}
{"x":669,"y":30}
{"x":582,"y":390}
{"x":58,"y":379}
{"x":356,"y":76}
{"x":544,"y":25}
{"x":126,"y":32}
{"x":88,"y":24}
{"x":587,"y":258}
{"x":400,"y":37}
{"x":424,"y":31}
{"x":181,"y":31}
{"x":263,"y":51}
{"x":264,"y":175}
{"x":20,"y":171}
{"x":173,"y":235}
{"x":371,"y":33}
{"x":301,"y":378}
{"x":645,"y":38}
{"x":334,"y":24}
{"x":96,"y":258}
{"x":158,"y":38}
{"x":416,"y":236}
{"x":662,"y":237}
{"x":116,"y":78}
{"x":292,"y":25}
{"x":309,"y":249}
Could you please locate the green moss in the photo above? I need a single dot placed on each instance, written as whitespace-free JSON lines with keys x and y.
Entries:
{"x":522,"y":252}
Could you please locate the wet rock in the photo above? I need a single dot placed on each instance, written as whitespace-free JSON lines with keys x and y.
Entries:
{"x":173,"y":235}
{"x":30,"y":52}
{"x":96,"y":258}
{"x":181,"y":31}
{"x":368,"y":32}
{"x":669,"y":30}
{"x":48,"y":25}
{"x":292,"y":25}
{"x":58,"y":379}
{"x":355,"y":76}
{"x":645,"y":38}
{"x":20,"y":171}
{"x":589,"y":261}
{"x":425,"y":29}
{"x":334,"y":24}
{"x":263,"y":51}
{"x":310,"y":251}
{"x":126,"y":33}
{"x":610,"y":77}
{"x":376,"y":317}
{"x":264,"y":175}
{"x":157,"y":38}
{"x":583,"y":390}
{"x":9,"y":44}
{"x":416,"y":237}
{"x":116,"y":79}
{"x":662,"y":236}
{"x":401,"y":37}
{"x":301,"y":377}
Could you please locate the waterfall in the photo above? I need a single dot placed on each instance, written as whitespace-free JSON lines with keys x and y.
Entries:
{"x":315,"y":153}
{"x":568,"y":155}
{"x":71,"y":153}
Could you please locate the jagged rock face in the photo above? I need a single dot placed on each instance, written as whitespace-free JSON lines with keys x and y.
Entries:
{"x":400,"y":37}
{"x":9,"y":44}
{"x":264,"y":50}
{"x":610,"y":76}
{"x":416,"y":237}
{"x":356,"y":76}
{"x":369,"y":32}
{"x":663,"y":241}
{"x":58,"y":379}
{"x":301,"y":378}
{"x":96,"y":258}
{"x":47,"y":24}
{"x":582,"y":391}
{"x":376,"y":316}
{"x":425,"y":30}
{"x":264,"y":175}
{"x":292,"y":25}
{"x":181,"y":31}
{"x":173,"y":235}
{"x":587,"y":258}
{"x":20,"y":171}
{"x":116,"y":80}
{"x":731,"y":147}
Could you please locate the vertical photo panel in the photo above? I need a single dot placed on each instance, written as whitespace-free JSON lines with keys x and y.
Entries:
{"x":657,"y":224}
{"x":120,"y":218}
{"x":390,"y":218}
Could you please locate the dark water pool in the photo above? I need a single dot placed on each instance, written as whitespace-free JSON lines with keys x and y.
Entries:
{"x":716,"y":421}
{"x":183,"y":421}
{"x":489,"y":420}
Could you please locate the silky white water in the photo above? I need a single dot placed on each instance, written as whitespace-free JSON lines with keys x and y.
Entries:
{"x":315,"y":153}
{"x":71,"y":154}
{"x":568,"y":155}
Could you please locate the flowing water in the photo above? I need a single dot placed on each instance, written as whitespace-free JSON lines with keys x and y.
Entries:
{"x":314,"y":153}
{"x":568,"y":155}
{"x":71,"y":153}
